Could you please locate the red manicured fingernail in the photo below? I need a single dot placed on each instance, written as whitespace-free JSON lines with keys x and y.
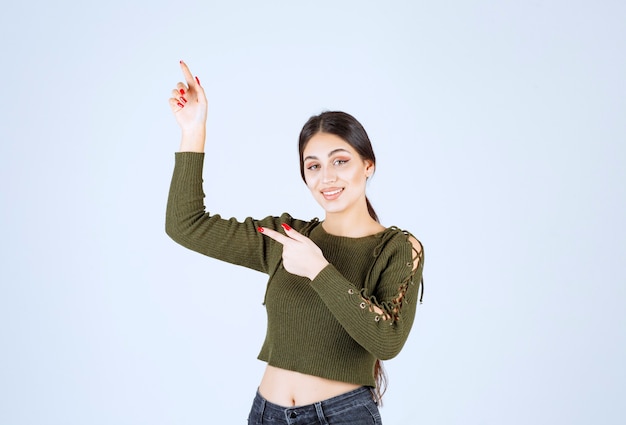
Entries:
{"x":260,"y":229}
{"x":180,"y":105}
{"x":286,"y":226}
{"x":198,"y":80}
{"x":181,"y":91}
{"x":183,"y":99}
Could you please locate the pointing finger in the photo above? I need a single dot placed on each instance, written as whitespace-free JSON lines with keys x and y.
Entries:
{"x":191,"y":82}
{"x":278,"y":237}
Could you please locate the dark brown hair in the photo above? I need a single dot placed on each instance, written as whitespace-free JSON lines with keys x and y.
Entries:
{"x":352,"y":132}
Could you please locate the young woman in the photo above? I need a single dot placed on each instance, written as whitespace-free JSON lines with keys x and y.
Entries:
{"x":342,"y":292}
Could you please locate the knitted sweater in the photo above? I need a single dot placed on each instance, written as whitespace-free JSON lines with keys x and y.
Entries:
{"x":332,"y":326}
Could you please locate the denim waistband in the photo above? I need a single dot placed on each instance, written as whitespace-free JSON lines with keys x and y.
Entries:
{"x":320,"y":410}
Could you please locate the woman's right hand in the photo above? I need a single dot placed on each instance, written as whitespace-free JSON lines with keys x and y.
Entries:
{"x":189,"y":105}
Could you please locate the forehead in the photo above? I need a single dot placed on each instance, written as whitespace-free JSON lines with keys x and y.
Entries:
{"x":322,"y":144}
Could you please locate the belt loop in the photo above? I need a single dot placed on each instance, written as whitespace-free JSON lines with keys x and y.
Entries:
{"x":320,"y":413}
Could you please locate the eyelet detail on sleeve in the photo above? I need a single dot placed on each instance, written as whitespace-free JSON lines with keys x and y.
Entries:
{"x":409,"y":264}
{"x":377,"y":319}
{"x":362,"y":305}
{"x":350,"y":291}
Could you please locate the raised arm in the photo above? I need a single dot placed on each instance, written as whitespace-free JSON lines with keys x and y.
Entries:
{"x":186,"y":220}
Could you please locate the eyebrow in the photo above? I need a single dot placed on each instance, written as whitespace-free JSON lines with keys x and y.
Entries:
{"x":331,"y":153}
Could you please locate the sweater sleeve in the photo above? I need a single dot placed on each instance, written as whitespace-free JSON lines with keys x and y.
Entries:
{"x":233,"y":241}
{"x":379,"y":321}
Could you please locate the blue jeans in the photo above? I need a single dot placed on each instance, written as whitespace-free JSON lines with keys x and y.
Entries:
{"x":356,"y":407}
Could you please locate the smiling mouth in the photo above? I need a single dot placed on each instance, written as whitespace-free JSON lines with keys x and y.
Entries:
{"x":332,"y":194}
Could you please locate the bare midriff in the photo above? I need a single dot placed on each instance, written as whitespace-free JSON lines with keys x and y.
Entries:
{"x":288,"y":388}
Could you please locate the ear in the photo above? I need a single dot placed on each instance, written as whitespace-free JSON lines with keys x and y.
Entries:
{"x":370,"y":167}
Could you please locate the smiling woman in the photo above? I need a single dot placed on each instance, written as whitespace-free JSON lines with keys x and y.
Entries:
{"x":341,"y":294}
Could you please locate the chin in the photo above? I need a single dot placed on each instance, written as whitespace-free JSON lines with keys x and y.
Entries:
{"x":332,"y":209}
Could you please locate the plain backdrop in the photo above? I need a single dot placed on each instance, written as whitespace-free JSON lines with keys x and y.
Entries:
{"x":500,"y":133}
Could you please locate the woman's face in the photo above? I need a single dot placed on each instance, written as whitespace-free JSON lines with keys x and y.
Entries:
{"x":335,"y":173}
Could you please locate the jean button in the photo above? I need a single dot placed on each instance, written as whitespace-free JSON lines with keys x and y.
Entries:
{"x":293,"y":415}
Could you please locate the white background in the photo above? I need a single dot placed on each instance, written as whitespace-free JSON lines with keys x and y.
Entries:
{"x":499,"y":128}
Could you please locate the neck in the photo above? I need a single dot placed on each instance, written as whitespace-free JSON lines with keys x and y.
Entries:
{"x":353,"y":225}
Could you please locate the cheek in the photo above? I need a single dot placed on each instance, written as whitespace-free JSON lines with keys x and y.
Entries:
{"x":354,"y":176}
{"x":309,"y":181}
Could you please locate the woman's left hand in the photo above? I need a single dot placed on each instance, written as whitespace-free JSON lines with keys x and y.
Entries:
{"x":300,"y":254}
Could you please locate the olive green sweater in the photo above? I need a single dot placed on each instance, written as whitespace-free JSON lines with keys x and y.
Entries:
{"x":327,"y":327}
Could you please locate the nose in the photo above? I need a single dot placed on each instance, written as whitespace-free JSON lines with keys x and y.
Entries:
{"x":329,"y":175}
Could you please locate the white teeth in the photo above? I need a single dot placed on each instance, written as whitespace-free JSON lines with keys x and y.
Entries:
{"x":334,"y":192}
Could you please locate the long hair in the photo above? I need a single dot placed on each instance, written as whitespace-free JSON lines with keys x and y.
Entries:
{"x":352,"y":132}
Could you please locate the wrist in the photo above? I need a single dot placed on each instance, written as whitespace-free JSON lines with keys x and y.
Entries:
{"x":317,"y":270}
{"x":192,"y":140}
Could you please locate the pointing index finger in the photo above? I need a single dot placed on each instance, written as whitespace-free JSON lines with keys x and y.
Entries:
{"x":278,"y":237}
{"x":187,"y":73}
